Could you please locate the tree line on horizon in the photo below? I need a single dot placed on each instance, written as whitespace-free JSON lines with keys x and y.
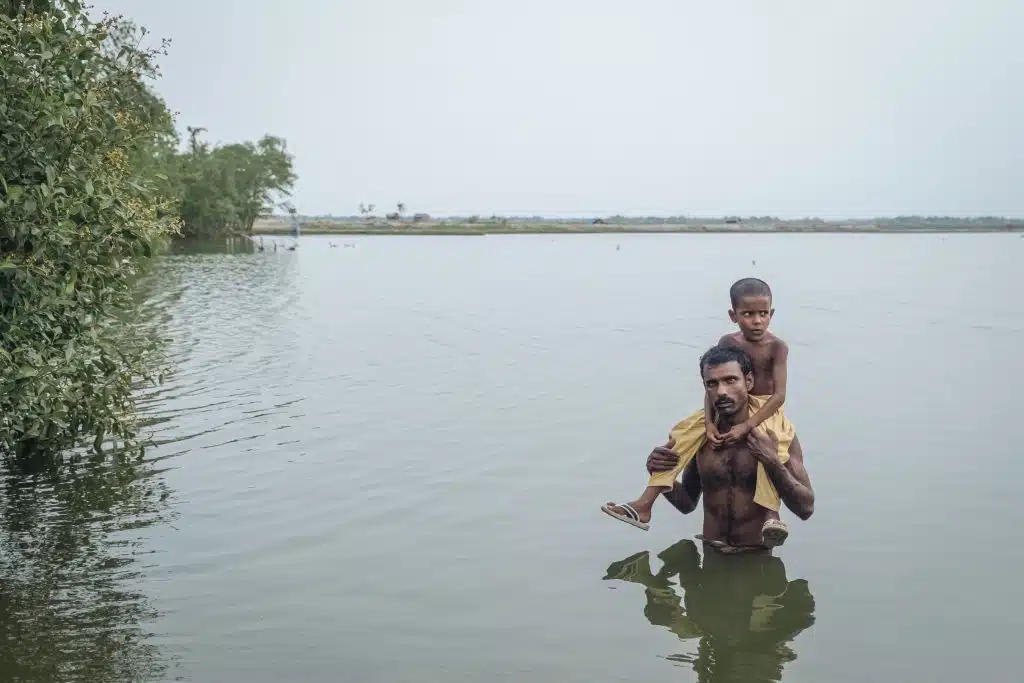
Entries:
{"x":366,"y":214}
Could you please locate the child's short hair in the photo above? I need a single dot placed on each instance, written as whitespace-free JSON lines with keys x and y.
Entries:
{"x":748,"y":286}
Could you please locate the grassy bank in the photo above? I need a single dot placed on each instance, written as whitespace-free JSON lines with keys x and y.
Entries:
{"x":341,"y":227}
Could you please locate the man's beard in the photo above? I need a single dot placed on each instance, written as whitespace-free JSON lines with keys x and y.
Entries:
{"x":726,"y":414}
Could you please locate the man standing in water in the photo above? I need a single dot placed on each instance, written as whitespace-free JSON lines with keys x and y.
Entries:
{"x":727,"y":477}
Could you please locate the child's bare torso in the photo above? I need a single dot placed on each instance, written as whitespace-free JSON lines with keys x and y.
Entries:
{"x":762,"y":356}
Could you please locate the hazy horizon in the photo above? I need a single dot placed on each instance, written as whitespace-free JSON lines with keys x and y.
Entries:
{"x":572,"y":108}
{"x":380,"y":212}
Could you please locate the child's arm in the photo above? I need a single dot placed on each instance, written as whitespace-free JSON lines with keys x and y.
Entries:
{"x":710,"y":429}
{"x":779,"y":372}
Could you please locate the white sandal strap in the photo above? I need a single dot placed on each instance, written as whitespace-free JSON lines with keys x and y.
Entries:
{"x":632,"y":513}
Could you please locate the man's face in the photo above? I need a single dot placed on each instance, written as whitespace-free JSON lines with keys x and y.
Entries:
{"x":727,"y":387}
{"x":752,"y":314}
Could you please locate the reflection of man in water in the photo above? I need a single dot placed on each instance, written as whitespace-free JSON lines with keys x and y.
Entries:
{"x":742,"y":608}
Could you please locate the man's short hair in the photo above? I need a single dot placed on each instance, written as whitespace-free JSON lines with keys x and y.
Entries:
{"x":722,"y":354}
{"x":748,"y":286}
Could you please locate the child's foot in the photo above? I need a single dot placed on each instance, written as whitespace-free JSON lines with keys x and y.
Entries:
{"x":636,"y":513}
{"x":774,"y":533}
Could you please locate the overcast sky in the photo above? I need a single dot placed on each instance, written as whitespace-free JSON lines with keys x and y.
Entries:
{"x":567,"y":107}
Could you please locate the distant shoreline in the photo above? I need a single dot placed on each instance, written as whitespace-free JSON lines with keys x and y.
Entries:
{"x":327,"y":227}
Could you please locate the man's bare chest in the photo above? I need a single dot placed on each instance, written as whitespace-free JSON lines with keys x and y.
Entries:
{"x":727,"y":468}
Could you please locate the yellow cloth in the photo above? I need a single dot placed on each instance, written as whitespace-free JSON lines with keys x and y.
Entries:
{"x":689,"y":437}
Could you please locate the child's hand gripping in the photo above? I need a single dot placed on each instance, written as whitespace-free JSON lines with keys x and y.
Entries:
{"x":736,"y":434}
{"x":713,"y":437}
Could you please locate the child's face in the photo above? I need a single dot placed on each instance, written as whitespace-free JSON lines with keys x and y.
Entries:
{"x":752,"y":314}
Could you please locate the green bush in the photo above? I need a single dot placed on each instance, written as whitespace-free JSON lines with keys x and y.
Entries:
{"x":80,"y":218}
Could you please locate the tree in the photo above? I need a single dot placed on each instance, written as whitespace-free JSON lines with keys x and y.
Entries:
{"x":401,"y":208}
{"x":366,"y":211}
{"x":225,"y":189}
{"x":81,"y":215}
{"x":11,"y":7}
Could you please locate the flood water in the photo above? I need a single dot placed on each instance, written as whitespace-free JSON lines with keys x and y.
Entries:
{"x":384,"y":461}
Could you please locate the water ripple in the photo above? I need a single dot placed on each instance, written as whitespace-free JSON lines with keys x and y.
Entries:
{"x":415,"y":427}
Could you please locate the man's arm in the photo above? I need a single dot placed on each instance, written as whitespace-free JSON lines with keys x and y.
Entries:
{"x":685,"y":495}
{"x":779,"y":373}
{"x":792,"y":481}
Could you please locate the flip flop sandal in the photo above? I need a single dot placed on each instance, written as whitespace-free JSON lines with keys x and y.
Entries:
{"x":774,"y":533}
{"x":631,"y":516}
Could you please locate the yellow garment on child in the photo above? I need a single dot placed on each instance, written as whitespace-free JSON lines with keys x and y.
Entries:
{"x":689,"y":436}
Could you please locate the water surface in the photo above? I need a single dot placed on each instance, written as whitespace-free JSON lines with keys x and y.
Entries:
{"x":383,"y":461}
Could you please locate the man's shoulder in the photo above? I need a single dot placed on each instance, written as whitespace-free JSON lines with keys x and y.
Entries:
{"x":700,"y":458}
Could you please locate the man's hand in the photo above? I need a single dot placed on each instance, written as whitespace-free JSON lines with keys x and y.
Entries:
{"x":713,"y":437}
{"x":662,"y":458}
{"x":737,"y":433}
{"x":764,"y":447}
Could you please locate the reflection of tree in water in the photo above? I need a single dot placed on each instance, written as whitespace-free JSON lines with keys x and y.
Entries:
{"x":69,"y":556}
{"x":742,"y":609}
